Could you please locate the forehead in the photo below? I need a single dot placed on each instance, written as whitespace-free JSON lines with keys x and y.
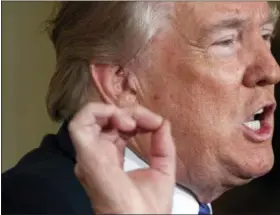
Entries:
{"x":202,"y":13}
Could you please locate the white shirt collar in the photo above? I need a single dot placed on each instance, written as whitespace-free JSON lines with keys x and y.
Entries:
{"x":183,"y":201}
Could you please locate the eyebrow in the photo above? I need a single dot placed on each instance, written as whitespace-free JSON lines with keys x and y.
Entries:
{"x":226,"y":23}
{"x":235,"y":23}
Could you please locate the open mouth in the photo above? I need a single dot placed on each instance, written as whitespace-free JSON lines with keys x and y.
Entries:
{"x":254,"y":122}
{"x":259,"y":127}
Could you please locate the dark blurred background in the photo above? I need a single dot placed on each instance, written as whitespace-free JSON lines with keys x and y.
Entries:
{"x":262,"y":195}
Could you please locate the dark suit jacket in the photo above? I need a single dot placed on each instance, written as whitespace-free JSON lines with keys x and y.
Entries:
{"x":43,"y":181}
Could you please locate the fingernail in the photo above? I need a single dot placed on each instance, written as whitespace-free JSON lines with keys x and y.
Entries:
{"x":159,"y":119}
{"x":167,"y":128}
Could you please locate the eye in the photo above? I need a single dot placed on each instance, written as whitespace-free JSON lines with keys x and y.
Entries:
{"x":225,"y":42}
{"x":267,"y":37}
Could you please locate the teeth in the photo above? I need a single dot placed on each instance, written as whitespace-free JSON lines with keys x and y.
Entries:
{"x":259,"y":111}
{"x":254,"y":125}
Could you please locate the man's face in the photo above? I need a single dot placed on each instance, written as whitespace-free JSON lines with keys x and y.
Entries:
{"x":209,"y":75}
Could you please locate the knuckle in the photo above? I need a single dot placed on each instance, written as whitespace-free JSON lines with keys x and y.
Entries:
{"x":137,"y":111}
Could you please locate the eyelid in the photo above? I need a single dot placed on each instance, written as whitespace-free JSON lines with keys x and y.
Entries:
{"x":224,"y":39}
{"x":224,"y":34}
{"x":267,"y":32}
{"x":268,"y":26}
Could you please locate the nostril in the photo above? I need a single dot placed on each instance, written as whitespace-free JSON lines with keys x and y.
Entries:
{"x":269,"y":78}
{"x":262,"y":83}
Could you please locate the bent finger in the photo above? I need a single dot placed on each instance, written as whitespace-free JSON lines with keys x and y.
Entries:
{"x":162,"y":151}
{"x":145,"y":119}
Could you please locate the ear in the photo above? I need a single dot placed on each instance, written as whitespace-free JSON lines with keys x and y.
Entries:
{"x":114,"y":84}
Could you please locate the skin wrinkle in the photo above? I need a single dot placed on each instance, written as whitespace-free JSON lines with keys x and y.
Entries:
{"x":206,"y":166}
{"x":207,"y":91}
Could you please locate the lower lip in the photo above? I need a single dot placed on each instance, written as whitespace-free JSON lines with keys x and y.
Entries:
{"x":263,"y":134}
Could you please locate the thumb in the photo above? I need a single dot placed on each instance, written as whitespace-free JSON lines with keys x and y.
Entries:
{"x":162,"y":151}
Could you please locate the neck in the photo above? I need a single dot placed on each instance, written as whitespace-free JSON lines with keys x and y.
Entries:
{"x":206,"y":196}
{"x":202,"y":192}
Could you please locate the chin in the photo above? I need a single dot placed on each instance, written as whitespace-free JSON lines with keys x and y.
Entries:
{"x":246,"y":165}
{"x":255,"y":168}
{"x":260,"y":170}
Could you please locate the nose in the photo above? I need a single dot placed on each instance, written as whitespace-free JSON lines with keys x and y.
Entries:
{"x":263,"y":69}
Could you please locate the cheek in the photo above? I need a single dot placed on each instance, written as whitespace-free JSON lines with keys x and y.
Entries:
{"x":190,"y":110}
{"x":202,"y":98}
{"x":220,"y":92}
{"x":195,"y":94}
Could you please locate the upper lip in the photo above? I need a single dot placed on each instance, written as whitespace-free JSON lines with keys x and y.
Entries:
{"x":269,"y":108}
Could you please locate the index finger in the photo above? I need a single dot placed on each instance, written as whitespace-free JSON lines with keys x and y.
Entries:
{"x":145,"y":119}
{"x":88,"y":114}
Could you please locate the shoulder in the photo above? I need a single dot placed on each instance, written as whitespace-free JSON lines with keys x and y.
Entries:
{"x":43,"y":182}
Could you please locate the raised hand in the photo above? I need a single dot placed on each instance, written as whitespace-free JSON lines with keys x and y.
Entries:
{"x":99,"y":133}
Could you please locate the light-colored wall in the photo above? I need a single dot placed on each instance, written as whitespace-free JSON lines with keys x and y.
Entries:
{"x":27,"y":65}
